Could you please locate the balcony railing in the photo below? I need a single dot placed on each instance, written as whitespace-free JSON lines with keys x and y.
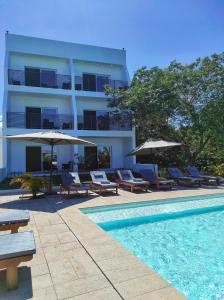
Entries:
{"x":104,"y":121}
{"x":100,"y":84}
{"x":18,"y":77}
{"x":39,"y":121}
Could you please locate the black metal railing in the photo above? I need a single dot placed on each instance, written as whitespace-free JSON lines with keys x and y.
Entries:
{"x":58,"y":81}
{"x":99,"y":85}
{"x":104,"y":121}
{"x":40,"y":121}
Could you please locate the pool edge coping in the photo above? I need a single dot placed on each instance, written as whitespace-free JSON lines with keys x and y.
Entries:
{"x":150,"y":277}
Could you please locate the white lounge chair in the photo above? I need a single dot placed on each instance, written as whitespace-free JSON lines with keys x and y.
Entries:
{"x":127,"y":179}
{"x":101,"y":183}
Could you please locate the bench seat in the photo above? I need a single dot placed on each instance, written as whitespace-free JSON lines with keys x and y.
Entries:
{"x":12,"y":220}
{"x":14,"y":249}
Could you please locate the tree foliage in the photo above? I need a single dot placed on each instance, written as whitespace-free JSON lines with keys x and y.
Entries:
{"x":180,"y":102}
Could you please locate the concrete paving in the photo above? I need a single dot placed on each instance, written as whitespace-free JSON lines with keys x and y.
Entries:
{"x":77,"y":260}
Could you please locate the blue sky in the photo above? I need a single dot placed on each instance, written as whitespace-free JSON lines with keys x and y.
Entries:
{"x":154,"y":32}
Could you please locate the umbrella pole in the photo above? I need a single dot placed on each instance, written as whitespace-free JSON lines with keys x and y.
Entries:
{"x":51,"y":169}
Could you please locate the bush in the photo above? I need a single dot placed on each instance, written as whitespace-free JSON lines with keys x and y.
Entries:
{"x":34,"y":184}
{"x":219,"y":170}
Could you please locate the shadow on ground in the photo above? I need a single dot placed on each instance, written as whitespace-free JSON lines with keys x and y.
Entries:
{"x":24,"y":291}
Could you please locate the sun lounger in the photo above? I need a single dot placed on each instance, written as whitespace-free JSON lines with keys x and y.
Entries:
{"x":14,"y":249}
{"x":77,"y":185}
{"x":127,"y":179}
{"x":194,"y":172}
{"x":101,"y":183}
{"x":71,"y":182}
{"x":153,"y":179}
{"x":177,"y":175}
{"x":12,"y":220}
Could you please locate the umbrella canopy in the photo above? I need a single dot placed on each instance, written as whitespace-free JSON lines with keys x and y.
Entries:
{"x":51,"y":138}
{"x":149,"y":145}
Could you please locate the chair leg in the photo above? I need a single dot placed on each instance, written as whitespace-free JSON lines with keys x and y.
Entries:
{"x":12,"y":277}
{"x":116,"y":190}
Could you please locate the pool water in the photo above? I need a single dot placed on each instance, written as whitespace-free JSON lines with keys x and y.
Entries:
{"x":184,"y":244}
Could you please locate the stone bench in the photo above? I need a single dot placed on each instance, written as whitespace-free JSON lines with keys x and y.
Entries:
{"x":12,"y":220}
{"x":14,"y":249}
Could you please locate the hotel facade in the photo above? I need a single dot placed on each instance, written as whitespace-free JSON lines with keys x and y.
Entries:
{"x":54,"y":85}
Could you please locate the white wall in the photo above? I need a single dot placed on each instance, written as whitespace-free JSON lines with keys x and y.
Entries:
{"x":17,"y":102}
{"x":25,"y":44}
{"x":114,"y":71}
{"x":19,"y":61}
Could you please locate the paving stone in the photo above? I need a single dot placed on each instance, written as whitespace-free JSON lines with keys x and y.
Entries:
{"x":118,"y":263}
{"x":104,"y":294}
{"x":140,"y":285}
{"x":81,"y":286}
{"x":60,"y":251}
{"x":48,"y":239}
{"x":83,"y":264}
{"x":131,"y":272}
{"x":168,"y":293}
{"x":66,"y":237}
{"x":41,"y":282}
{"x":45,"y":294}
{"x":62,"y":271}
{"x":107,"y":250}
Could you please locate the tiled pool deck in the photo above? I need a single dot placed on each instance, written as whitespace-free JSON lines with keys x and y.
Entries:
{"x":77,"y":260}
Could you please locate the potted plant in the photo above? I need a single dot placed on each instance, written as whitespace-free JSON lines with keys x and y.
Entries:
{"x":34,"y":184}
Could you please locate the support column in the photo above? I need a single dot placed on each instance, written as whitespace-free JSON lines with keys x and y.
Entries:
{"x":74,"y":110}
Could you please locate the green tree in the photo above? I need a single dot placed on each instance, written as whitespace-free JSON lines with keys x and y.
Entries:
{"x":150,"y":102}
{"x":180,"y":102}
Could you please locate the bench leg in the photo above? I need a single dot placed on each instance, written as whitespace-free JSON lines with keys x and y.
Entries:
{"x":14,"y":229}
{"x":12,"y":277}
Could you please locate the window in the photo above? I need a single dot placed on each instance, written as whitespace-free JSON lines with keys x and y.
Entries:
{"x":102,"y":120}
{"x":46,"y":159}
{"x":104,"y":157}
{"x":48,"y":78}
{"x":90,"y":154}
{"x":102,"y":82}
{"x":97,"y":157}
{"x":49,"y":118}
{"x":32,"y":76}
{"x":33,"y":117}
{"x":89,"y":120}
{"x":40,"y":77}
{"x":89,"y":82}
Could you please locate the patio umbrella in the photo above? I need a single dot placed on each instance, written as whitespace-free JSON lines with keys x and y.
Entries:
{"x":52,"y":138}
{"x":150,"y":145}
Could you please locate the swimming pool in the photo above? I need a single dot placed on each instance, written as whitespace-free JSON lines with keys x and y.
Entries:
{"x":182,"y":239}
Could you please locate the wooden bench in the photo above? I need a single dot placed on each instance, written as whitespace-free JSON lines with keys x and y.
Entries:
{"x":12,"y":220}
{"x":14,"y":249}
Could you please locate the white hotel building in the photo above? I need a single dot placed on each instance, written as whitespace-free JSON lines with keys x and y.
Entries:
{"x":54,"y":85}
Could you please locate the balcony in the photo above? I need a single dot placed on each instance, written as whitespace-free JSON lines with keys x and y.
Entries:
{"x":99,"y":120}
{"x":97,"y":83}
{"x":39,"y":121}
{"x":45,"y":79}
